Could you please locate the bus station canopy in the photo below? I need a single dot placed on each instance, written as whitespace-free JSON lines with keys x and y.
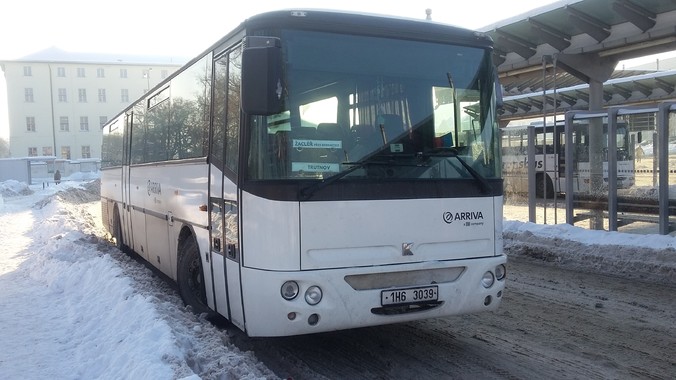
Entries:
{"x":568,"y":44}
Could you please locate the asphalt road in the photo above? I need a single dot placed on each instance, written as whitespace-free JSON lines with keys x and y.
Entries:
{"x":553,"y":324}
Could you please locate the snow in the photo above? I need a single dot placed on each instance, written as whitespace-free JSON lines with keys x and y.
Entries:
{"x":567,"y":232}
{"x":72,"y":306}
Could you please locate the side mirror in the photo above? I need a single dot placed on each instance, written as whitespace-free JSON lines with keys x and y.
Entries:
{"x":262,"y":86}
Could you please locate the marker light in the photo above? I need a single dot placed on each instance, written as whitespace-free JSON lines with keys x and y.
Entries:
{"x":313,"y":295}
{"x":290,"y":290}
{"x":488,"y":279}
{"x":500,"y":272}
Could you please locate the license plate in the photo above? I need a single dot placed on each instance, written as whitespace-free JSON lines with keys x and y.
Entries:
{"x":409,"y":295}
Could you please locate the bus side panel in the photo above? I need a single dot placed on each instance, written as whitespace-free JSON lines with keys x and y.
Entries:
{"x":270,"y":234}
{"x":155,"y":183}
{"x":111,"y":192}
{"x":137,"y":195}
{"x":165,"y":197}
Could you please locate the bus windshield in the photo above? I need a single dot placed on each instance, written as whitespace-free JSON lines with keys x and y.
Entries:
{"x":368,"y":107}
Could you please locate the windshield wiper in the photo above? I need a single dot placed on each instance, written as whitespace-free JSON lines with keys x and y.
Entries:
{"x":453,"y":152}
{"x":308,"y":191}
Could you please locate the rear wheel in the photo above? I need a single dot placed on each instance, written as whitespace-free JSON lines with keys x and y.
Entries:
{"x":117,"y":230}
{"x":190,"y":277}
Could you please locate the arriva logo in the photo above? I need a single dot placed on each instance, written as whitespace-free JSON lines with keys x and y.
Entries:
{"x":154,"y":187}
{"x":449,"y":217}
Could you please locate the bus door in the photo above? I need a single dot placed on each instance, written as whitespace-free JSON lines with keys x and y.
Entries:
{"x":223,"y":192}
{"x":216,"y":265}
{"x":137,"y":182}
{"x":125,"y":215}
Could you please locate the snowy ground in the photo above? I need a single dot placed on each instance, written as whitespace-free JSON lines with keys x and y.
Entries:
{"x":73,"y":307}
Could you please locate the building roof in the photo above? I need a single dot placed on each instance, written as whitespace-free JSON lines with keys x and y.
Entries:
{"x":54,"y":54}
{"x":567,"y":44}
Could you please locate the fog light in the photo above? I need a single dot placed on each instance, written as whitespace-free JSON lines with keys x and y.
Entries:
{"x":313,"y":295}
{"x":313,"y":319}
{"x":488,"y":300}
{"x":289,"y":290}
{"x":500,"y":272}
{"x":291,"y":316}
{"x":488,"y":279}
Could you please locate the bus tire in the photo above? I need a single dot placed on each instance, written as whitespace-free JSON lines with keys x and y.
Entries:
{"x":542,"y":189}
{"x":190,"y":277}
{"x":117,"y":230}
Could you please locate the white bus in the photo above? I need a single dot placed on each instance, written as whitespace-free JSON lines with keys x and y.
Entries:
{"x":550,"y":158}
{"x":316,"y":171}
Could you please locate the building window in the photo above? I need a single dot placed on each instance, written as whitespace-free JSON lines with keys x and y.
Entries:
{"x":28,"y":95}
{"x":165,"y":74}
{"x":27,"y":72}
{"x":102,"y":95}
{"x":86,"y":152}
{"x":80,"y":72}
{"x":61,"y":72}
{"x":123,"y":73}
{"x":63,"y":124}
{"x":47,"y":151}
{"x":100,"y":73}
{"x":103,"y":120}
{"x":63,"y":97}
{"x":65,"y":152}
{"x":82,"y":95}
{"x":30,"y":124}
{"x":125,"y":95}
{"x":32,"y":151}
{"x":84,"y":123}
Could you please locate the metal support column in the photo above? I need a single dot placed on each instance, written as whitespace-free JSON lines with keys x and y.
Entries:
{"x":568,"y":131}
{"x":612,"y":169}
{"x":531,"y":174}
{"x":663,"y":164}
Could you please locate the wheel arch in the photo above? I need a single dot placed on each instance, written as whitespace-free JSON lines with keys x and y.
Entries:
{"x":187,"y":232}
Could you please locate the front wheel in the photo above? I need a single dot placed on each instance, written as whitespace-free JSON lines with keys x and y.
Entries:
{"x":544,"y":188}
{"x":190,"y":277}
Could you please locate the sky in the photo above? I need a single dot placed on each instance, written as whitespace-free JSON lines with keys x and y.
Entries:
{"x":158,"y":27}
{"x":96,"y":313}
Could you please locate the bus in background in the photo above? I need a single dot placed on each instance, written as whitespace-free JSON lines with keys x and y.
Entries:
{"x":316,"y":171}
{"x":550,"y":158}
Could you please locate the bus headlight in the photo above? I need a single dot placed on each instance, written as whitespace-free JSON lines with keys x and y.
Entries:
{"x":500,"y":272}
{"x":313,"y":295}
{"x":289,"y":290}
{"x":487,"y":280}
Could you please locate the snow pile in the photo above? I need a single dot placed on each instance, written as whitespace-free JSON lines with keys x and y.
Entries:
{"x":642,"y":257}
{"x":14,"y":188}
{"x":74,"y":307}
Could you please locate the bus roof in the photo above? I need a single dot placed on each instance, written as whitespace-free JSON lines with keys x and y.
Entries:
{"x":367,"y":24}
{"x":340,"y":22}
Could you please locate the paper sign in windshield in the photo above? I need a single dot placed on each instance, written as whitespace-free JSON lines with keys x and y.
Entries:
{"x":315,"y":167}
{"x":317,"y":144}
